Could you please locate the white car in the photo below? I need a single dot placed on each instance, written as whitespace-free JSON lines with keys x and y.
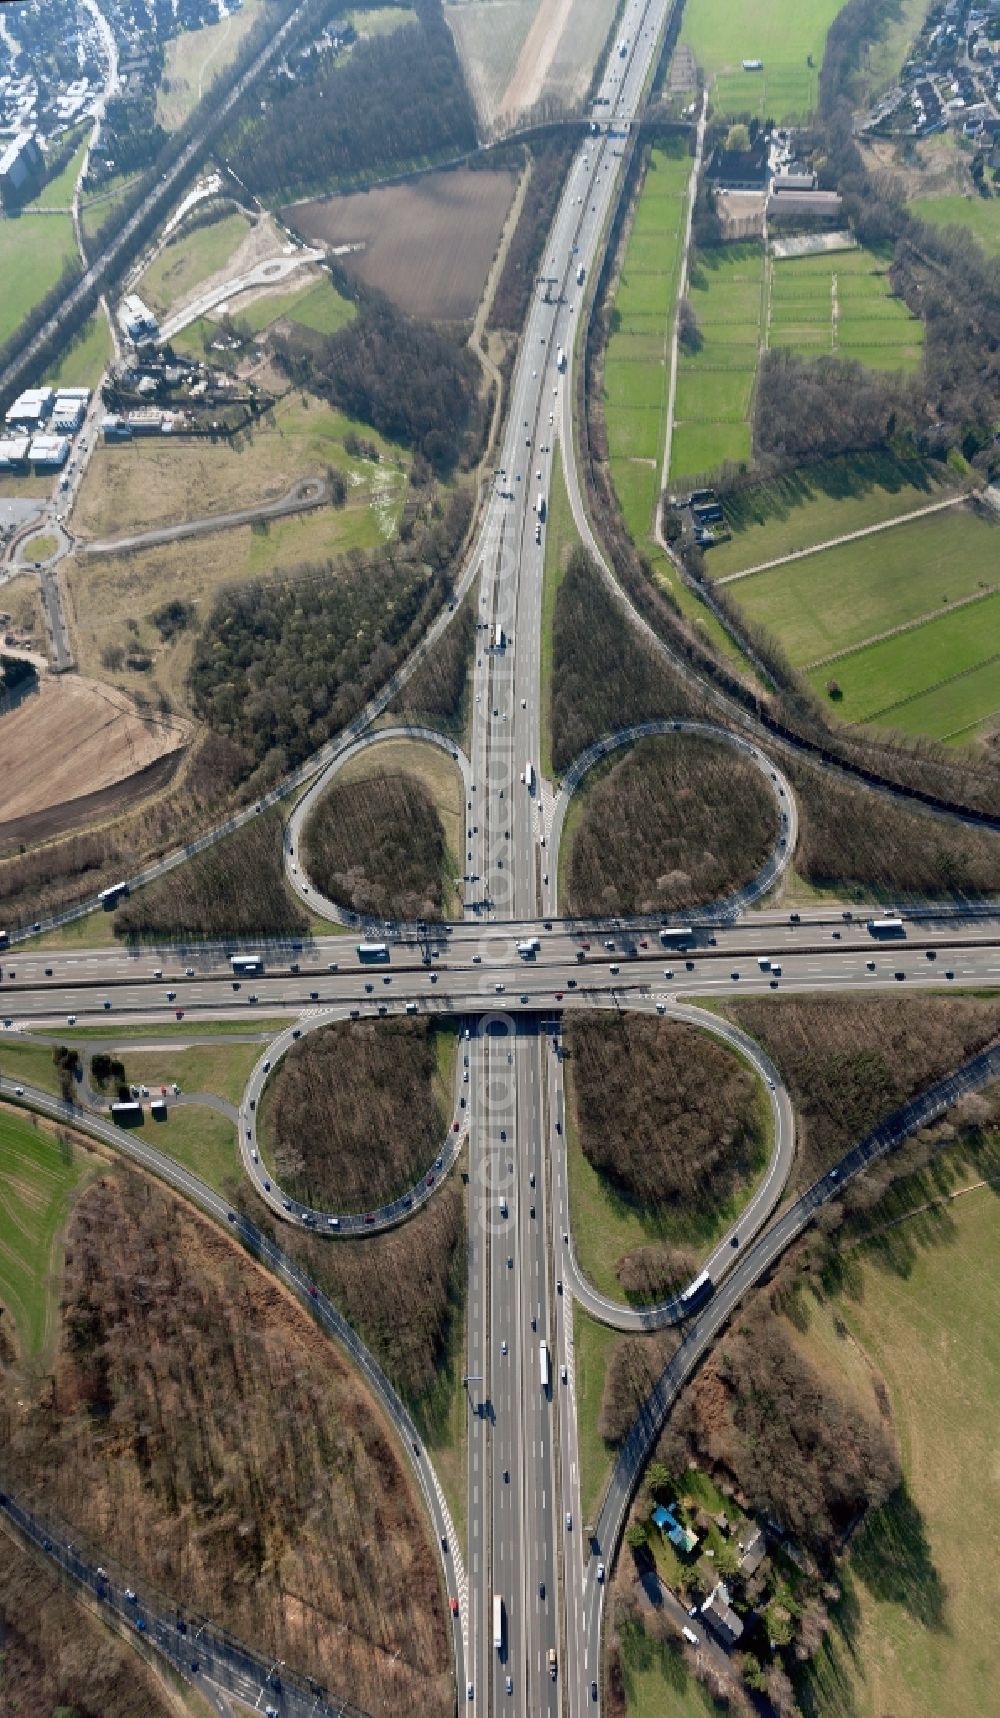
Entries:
{"x":503,"y":1347}
{"x":71,"y":1019}
{"x":19,"y":1091}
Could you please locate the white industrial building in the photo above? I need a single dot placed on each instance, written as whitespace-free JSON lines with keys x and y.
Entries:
{"x":48,"y":452}
{"x":30,"y":408}
{"x":136,"y":319}
{"x":14,"y":453}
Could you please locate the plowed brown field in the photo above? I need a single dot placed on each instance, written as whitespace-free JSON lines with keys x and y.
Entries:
{"x":427,"y":245}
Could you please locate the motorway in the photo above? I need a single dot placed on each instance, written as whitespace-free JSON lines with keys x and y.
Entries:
{"x":526,"y":1540}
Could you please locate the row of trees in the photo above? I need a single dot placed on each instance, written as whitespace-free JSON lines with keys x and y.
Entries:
{"x":397,"y":101}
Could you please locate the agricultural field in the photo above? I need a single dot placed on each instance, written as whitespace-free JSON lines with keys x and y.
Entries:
{"x":190,"y":260}
{"x":920,"y":1315}
{"x":715,"y":380}
{"x":40,"y":1172}
{"x":427,"y":244}
{"x":516,"y":53}
{"x":841,"y":303}
{"x":980,"y":215}
{"x":637,"y":363}
{"x":898,"y":627}
{"x":819,"y":502}
{"x":786,"y":35}
{"x":193,"y":60}
{"x":34,"y":250}
{"x":92,"y":738}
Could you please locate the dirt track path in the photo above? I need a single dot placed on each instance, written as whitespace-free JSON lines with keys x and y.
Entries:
{"x":536,"y":56}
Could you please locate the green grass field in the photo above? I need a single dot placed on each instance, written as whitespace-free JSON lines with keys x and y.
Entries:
{"x":320,"y":307}
{"x":58,"y":193}
{"x":636,"y":373}
{"x":843,"y":596}
{"x":592,"y":1343}
{"x":83,"y":362}
{"x":183,"y":265}
{"x":945,"y":674}
{"x":715,"y":383}
{"x":200,"y":1139}
{"x":38,"y":1177}
{"x":927,"y":1315}
{"x":819,"y":502}
{"x":981,"y":215}
{"x":788,"y":36}
{"x":841,"y":303}
{"x":34,"y":249}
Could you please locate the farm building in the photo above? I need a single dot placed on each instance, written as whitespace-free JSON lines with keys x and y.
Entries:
{"x":740,"y":169}
{"x":804,"y":205}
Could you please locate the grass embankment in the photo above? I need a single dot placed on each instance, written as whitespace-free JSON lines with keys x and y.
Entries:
{"x":592,"y":1346}
{"x":58,"y":192}
{"x":848,"y":1062}
{"x":788,"y":38}
{"x":34,"y":249}
{"x":193,"y":60}
{"x":604,"y":676}
{"x":357,"y":1112}
{"x":235,"y":888}
{"x":42,"y":1169}
{"x":920,"y":1315}
{"x":675,"y":822}
{"x":715,"y":373}
{"x":841,"y":302}
{"x":637,"y":361}
{"x":783,"y":515}
{"x":228,"y":1404}
{"x":561,"y":538}
{"x":388,"y":837}
{"x":667,"y":1133}
{"x":190,"y":259}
